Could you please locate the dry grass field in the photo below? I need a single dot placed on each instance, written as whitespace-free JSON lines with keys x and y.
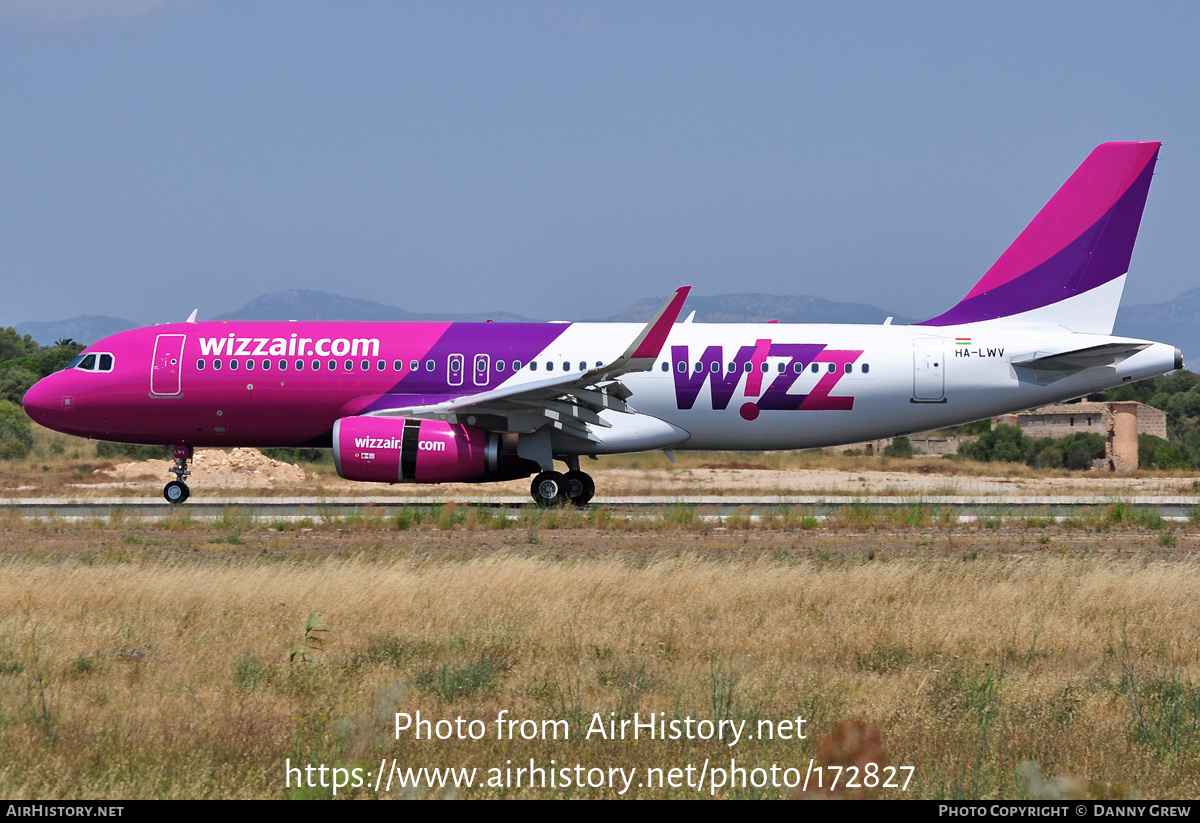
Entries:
{"x":1002,"y":658}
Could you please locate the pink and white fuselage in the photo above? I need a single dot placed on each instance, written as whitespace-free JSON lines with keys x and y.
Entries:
{"x":441,"y":402}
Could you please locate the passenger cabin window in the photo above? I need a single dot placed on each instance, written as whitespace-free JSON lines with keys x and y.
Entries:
{"x":216,"y":365}
{"x":233,"y":365}
{"x":499,"y":365}
{"x":866,"y":367}
{"x":666,"y":366}
{"x":250,"y":365}
{"x":516,"y":365}
{"x":200,"y":365}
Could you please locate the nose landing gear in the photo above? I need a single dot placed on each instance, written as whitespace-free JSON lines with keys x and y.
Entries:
{"x":177,"y":490}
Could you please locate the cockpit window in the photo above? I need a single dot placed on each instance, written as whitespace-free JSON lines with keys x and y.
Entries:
{"x":94,"y":361}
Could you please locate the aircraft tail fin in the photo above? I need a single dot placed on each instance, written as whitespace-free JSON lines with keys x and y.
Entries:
{"x":1068,"y":267}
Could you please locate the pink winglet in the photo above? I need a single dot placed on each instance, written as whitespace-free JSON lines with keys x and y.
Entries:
{"x":657,"y":336}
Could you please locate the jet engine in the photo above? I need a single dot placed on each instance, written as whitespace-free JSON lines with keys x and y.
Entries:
{"x":398,"y":450}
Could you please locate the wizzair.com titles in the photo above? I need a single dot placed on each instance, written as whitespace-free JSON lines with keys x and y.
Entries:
{"x":397,"y":443}
{"x":294,"y":346}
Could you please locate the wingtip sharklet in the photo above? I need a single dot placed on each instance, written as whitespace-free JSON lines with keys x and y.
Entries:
{"x":650,"y":342}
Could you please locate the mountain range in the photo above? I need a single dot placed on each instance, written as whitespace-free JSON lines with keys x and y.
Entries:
{"x":1175,"y":321}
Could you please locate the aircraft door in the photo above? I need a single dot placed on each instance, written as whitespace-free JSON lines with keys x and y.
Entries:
{"x":482,"y":367}
{"x":929,"y":370}
{"x":166,"y":366}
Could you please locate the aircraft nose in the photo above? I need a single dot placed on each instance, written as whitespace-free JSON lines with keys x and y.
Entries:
{"x":43,"y":400}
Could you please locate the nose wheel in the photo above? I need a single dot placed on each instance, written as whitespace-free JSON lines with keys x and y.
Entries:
{"x":177,"y":490}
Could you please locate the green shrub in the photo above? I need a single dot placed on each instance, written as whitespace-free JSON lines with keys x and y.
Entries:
{"x":16,"y":433}
{"x":1156,"y":453}
{"x":1051,"y":457}
{"x":14,"y":382}
{"x":900,"y":447}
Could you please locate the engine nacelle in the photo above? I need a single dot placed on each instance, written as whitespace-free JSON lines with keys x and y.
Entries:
{"x":397,"y":450}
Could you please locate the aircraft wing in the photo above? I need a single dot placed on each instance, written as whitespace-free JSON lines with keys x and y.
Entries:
{"x":571,"y":403}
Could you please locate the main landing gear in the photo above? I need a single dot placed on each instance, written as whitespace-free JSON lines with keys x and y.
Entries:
{"x":553,"y":489}
{"x":177,"y":490}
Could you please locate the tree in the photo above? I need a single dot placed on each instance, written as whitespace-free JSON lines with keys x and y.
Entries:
{"x":16,"y":345}
{"x":16,"y":433}
{"x":14,"y":382}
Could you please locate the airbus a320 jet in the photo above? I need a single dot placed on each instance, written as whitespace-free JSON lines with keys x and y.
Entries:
{"x":479,"y":402}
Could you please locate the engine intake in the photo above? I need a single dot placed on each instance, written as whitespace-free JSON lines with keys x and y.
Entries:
{"x":398,"y":450}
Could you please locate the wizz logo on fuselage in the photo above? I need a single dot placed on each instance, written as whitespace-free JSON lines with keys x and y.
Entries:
{"x":724,"y":377}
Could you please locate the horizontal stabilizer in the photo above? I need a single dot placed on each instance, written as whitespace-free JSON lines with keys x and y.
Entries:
{"x":1078,"y":359}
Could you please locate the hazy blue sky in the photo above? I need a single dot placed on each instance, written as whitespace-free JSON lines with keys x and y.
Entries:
{"x":564,"y":159}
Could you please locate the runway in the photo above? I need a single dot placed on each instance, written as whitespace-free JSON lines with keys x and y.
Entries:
{"x":708,"y":507}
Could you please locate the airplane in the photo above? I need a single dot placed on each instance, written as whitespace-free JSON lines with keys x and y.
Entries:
{"x":478,"y":402}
